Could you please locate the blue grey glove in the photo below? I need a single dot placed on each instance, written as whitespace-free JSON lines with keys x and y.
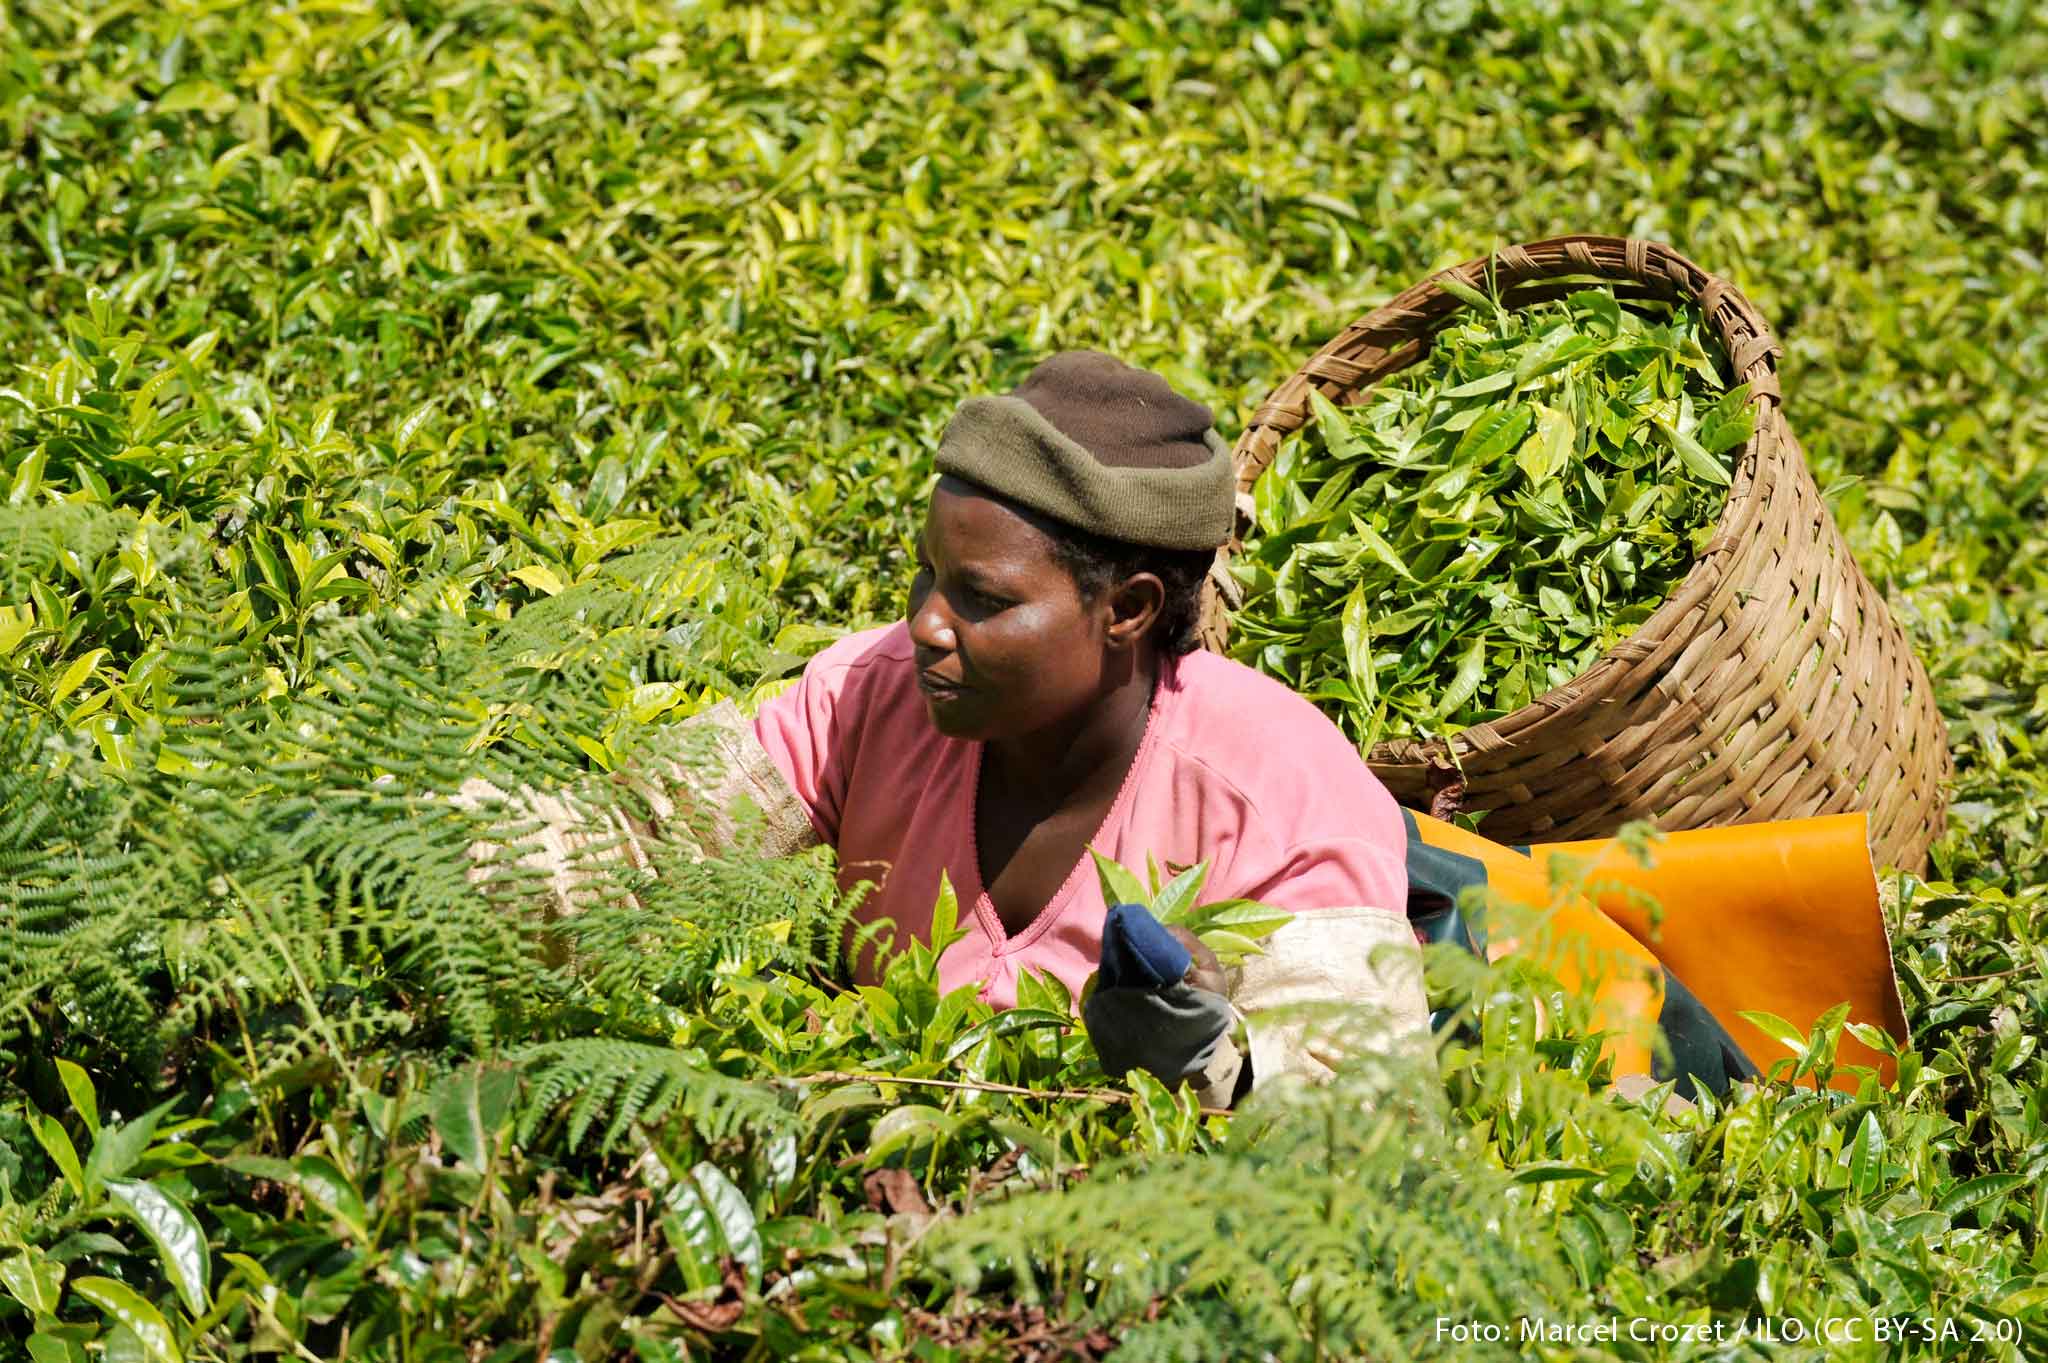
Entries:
{"x":1143,"y":1014}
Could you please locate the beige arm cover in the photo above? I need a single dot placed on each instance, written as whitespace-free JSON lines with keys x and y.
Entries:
{"x":1364,"y":958}
{"x":704,"y":782}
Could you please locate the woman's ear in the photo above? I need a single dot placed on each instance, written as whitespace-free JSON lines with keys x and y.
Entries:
{"x":1133,"y":606}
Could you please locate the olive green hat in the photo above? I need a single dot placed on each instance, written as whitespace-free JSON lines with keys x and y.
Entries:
{"x":1099,"y":444}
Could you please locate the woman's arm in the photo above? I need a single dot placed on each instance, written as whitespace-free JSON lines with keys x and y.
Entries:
{"x":1362,"y":958}
{"x":705,"y":782}
{"x":1162,"y":1002}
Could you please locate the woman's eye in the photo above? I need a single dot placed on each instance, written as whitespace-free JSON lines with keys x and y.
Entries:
{"x":975,"y":595}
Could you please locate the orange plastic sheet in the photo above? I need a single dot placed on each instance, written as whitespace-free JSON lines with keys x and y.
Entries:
{"x":1779,"y":917}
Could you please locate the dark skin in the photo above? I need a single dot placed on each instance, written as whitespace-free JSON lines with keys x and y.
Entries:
{"x":1056,"y":685}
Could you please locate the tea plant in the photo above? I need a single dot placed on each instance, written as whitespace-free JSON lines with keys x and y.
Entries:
{"x":398,"y":394}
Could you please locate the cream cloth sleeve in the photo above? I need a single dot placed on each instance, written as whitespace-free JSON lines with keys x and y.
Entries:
{"x":704,"y":782}
{"x":1365,"y":958}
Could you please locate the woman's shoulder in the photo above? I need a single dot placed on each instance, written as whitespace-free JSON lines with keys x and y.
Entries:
{"x":1251,"y":750}
{"x":1261,"y":736}
{"x":1234,"y":699}
{"x":857,"y":676}
{"x":882,"y":652}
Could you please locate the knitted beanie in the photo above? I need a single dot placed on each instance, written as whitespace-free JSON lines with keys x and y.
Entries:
{"x":1098,"y":444}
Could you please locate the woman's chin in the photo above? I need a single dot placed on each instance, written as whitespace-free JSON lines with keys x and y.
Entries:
{"x":953,"y":716}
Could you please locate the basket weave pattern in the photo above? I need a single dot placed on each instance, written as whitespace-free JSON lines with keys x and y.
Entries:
{"x":1772,"y":684}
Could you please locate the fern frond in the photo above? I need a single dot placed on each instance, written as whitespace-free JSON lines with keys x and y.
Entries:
{"x":692,"y":915}
{"x":69,"y":887}
{"x":624,"y":1083}
{"x":291,"y":863}
{"x":1338,"y":1223}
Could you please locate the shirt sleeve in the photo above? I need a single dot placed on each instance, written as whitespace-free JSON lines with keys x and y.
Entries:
{"x":1320,"y":830}
{"x":1348,"y":944}
{"x":1335,"y":873}
{"x":809,"y":732}
{"x":1362,"y":961}
{"x":697,"y":781}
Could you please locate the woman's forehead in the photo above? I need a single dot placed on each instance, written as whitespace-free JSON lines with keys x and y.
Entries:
{"x":976,"y":526}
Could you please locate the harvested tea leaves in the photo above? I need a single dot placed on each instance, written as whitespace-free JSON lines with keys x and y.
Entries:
{"x":1485,"y":525}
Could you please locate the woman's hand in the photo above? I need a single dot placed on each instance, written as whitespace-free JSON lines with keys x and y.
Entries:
{"x":1159,"y":1003}
{"x":1204,"y":970}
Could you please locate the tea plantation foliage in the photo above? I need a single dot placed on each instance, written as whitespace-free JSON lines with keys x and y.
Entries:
{"x":395,"y":393}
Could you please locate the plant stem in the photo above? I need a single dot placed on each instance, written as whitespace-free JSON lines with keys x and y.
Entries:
{"x":1090,"y":1095}
{"x":1994,"y":975}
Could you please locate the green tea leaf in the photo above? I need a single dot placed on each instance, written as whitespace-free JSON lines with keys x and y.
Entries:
{"x":1548,"y":352}
{"x":945,"y":928}
{"x":1378,"y":547}
{"x":34,"y":1280}
{"x":1460,"y":290}
{"x":1973,"y":1192}
{"x":1728,"y":423}
{"x":1177,"y":896}
{"x":322,"y":1185}
{"x":1230,"y":946}
{"x":1334,"y":425}
{"x":1544,"y":455}
{"x":913,"y":1125}
{"x":56,"y":1143}
{"x":1698,"y":462}
{"x":1492,"y":436}
{"x":180,"y":1244}
{"x":1599,"y":307}
{"x":78,"y":1085}
{"x":77,"y":674}
{"x":1247,"y":917}
{"x":1492,"y":383}
{"x":1777,"y":1029}
{"x":1007,"y":1023}
{"x":1866,"y":1157}
{"x":1357,"y":628}
{"x":1553,"y":1171}
{"x":1465,"y":681}
{"x":119,"y":1148}
{"x":125,"y":1306}
{"x":470,"y":1106}
{"x":1119,"y":886}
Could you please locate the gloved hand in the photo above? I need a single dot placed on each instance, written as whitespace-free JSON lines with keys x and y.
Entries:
{"x":1158,"y":1003}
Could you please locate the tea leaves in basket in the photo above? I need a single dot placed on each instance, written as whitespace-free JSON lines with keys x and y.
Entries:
{"x":1480,"y":529}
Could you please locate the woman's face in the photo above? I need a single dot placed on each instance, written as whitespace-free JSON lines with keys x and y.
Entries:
{"x":1005,"y":644}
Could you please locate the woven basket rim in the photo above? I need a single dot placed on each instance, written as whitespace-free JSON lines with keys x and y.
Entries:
{"x":1423,"y":310}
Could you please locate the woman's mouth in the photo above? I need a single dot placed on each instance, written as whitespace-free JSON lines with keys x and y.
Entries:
{"x":938,"y":688}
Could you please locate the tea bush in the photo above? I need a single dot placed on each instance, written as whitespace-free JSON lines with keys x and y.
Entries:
{"x":397,"y":393}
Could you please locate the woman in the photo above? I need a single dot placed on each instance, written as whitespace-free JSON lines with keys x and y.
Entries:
{"x":1044,"y":694}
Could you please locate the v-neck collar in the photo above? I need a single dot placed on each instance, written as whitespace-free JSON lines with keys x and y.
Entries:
{"x":984,"y":905}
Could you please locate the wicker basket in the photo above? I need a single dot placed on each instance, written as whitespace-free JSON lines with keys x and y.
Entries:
{"x":1772,"y":684}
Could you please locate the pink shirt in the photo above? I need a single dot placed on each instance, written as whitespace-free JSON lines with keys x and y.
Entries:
{"x":1234,"y":769}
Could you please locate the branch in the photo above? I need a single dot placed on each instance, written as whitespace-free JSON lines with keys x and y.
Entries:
{"x":1088,"y":1095}
{"x":1994,"y":975}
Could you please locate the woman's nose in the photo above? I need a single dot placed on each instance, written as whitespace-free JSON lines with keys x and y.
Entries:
{"x":931,"y":625}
